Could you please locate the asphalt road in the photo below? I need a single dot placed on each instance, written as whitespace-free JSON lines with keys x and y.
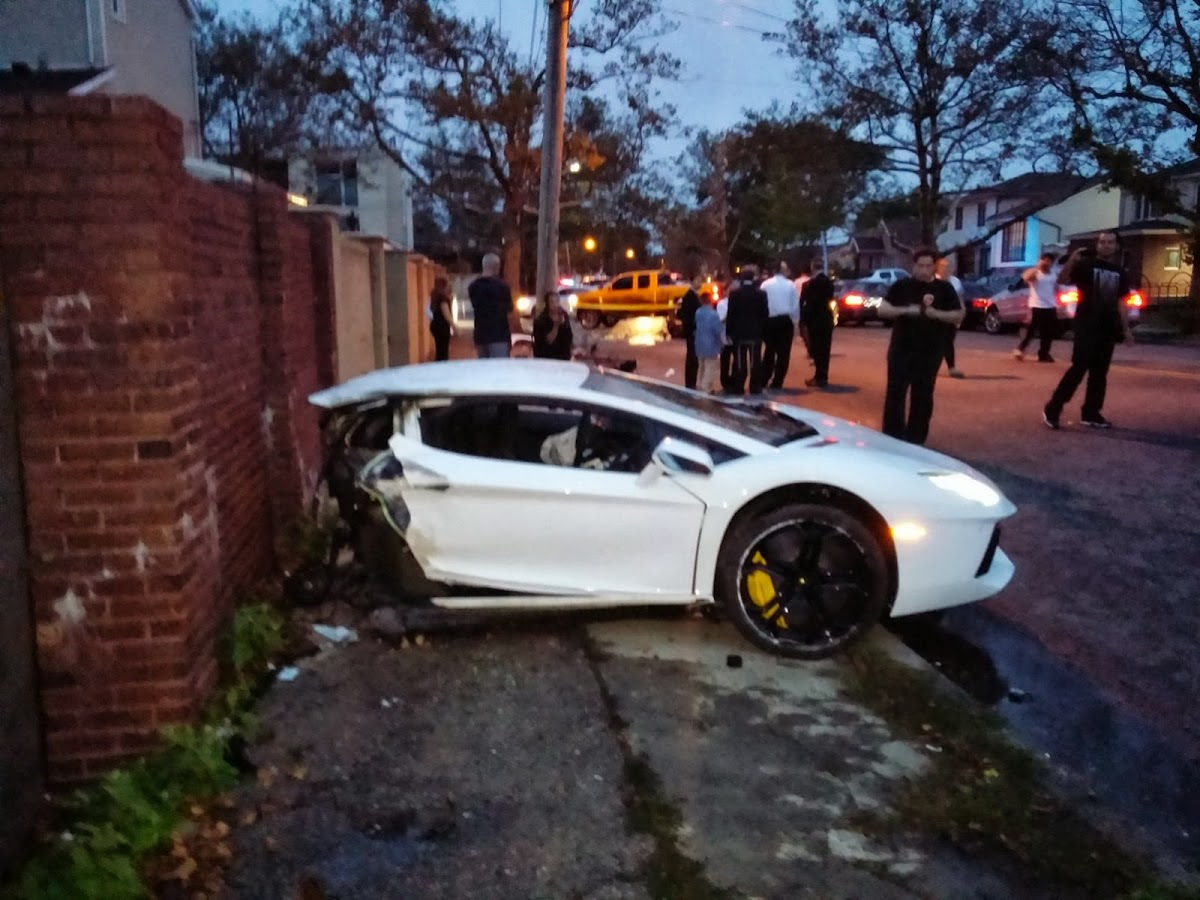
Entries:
{"x":1107,"y":539}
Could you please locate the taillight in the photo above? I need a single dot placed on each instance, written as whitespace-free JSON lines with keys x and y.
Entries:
{"x":716,"y":293}
{"x":854,"y":300}
{"x":1066,"y":298}
{"x":980,"y":303}
{"x":1135,"y":299}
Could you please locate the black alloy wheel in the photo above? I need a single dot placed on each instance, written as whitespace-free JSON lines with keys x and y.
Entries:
{"x":804,"y":581}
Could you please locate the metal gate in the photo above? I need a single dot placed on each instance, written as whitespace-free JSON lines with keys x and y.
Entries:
{"x":21,"y":757}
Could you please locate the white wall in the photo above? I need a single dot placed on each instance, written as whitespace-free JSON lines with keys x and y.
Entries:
{"x":1088,"y":210}
{"x":154,"y":56}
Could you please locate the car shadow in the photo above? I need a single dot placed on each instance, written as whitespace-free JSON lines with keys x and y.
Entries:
{"x":990,"y":378}
{"x":839,"y":389}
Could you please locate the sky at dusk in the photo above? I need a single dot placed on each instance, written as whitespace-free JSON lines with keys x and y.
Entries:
{"x":728,"y":66}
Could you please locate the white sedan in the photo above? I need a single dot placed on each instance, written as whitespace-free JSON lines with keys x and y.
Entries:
{"x":535,"y":484}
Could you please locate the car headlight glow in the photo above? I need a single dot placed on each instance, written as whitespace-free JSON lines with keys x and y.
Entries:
{"x":525,"y":305}
{"x":966,"y":486}
{"x":572,"y":300}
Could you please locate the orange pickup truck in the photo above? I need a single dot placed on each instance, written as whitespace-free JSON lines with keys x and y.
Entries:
{"x":645,"y":293}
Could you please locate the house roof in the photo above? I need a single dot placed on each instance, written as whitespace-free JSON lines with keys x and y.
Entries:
{"x":24,"y":80}
{"x":906,"y":232}
{"x":1142,"y":226}
{"x":1191,"y":167}
{"x":1031,"y":185}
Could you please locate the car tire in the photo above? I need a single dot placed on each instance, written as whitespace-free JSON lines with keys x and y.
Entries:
{"x":610,"y":320}
{"x":588,"y":319}
{"x":834,"y":590}
{"x":992,"y":323}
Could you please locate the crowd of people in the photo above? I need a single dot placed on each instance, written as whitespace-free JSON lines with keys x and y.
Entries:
{"x":743,"y":342}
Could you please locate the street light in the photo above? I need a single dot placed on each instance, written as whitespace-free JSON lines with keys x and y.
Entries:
{"x":589,"y":244}
{"x":629,"y":254}
{"x":574,"y":167}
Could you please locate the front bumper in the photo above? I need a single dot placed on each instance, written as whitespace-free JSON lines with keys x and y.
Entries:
{"x":957,"y":563}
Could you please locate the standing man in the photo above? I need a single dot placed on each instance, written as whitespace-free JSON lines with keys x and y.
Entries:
{"x":817,"y":313}
{"x":799,"y":283}
{"x":744,"y":323}
{"x":495,"y":315}
{"x":1101,"y":321}
{"x":1043,"y":308}
{"x":921,"y":307}
{"x":943,"y":273}
{"x":687,"y":318}
{"x":783,"y":314}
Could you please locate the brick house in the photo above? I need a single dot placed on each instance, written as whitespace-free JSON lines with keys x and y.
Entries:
{"x":79,"y":47}
{"x":1157,"y":246}
{"x":887,"y":245}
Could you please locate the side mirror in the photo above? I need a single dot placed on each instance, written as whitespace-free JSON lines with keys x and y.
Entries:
{"x":674,"y":456}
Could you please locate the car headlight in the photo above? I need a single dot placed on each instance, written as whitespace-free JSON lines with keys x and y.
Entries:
{"x":525,"y":305}
{"x":966,"y":486}
{"x":572,"y":300}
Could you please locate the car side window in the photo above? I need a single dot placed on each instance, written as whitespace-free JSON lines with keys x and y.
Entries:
{"x":643,"y":281}
{"x":623,"y":284}
{"x":718,"y":451}
{"x":664,"y":279}
{"x":541,"y":432}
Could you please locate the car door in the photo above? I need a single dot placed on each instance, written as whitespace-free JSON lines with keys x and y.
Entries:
{"x":643,"y":294}
{"x":1013,"y":303}
{"x":491,"y":513}
{"x":620,"y":293}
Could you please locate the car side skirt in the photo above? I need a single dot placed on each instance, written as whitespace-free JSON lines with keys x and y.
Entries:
{"x":551,"y":602}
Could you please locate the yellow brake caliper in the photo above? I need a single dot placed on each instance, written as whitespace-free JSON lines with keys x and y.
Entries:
{"x":761,"y":588}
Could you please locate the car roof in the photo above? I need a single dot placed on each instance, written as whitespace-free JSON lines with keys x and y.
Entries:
{"x":457,"y":377}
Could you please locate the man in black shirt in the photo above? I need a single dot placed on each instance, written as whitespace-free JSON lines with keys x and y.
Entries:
{"x":687,"y":319}
{"x":744,"y":323}
{"x":495,"y":315}
{"x":817,"y":316}
{"x":1101,"y":321}
{"x":921,"y":308}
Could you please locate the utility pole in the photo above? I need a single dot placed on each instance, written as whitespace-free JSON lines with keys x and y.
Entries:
{"x":557,"y":25}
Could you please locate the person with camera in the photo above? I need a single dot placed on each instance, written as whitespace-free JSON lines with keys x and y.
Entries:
{"x":921,"y":307}
{"x":552,"y":335}
{"x":1101,"y":322}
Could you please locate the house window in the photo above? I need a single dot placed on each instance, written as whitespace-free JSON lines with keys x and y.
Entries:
{"x":1145,"y":209}
{"x":1174,"y":257}
{"x":958,"y":218}
{"x":1012,"y":242}
{"x":981,"y":214}
{"x":117,"y":7}
{"x":337,"y":184}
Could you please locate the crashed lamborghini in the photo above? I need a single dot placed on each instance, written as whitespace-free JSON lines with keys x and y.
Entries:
{"x":531,"y":484}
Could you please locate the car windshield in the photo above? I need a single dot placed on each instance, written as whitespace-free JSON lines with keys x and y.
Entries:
{"x":760,"y":422}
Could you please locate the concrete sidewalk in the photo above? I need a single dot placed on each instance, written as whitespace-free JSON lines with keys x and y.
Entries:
{"x":505,"y":766}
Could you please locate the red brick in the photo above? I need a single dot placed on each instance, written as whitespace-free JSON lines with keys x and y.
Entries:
{"x":96,"y":451}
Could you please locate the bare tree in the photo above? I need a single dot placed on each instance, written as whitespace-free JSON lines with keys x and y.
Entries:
{"x":437,"y":91}
{"x":1131,"y":72}
{"x":939,"y":85}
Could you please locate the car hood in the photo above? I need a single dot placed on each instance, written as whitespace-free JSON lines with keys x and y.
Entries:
{"x":832,"y":430}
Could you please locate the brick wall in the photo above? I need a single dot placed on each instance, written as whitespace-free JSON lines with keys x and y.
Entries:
{"x":164,"y":342}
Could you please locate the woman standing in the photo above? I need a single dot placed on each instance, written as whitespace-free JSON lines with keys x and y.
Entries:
{"x":552,"y":337}
{"x":440,"y":318}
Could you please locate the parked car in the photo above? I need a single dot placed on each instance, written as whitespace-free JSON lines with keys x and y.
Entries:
{"x":1008,"y":308}
{"x":627,"y":492}
{"x":643,"y":293}
{"x":526,"y":302}
{"x":887,"y":275}
{"x":858,"y":301}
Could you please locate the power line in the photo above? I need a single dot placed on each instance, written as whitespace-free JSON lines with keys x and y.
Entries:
{"x":757,"y":12}
{"x":724,"y":23}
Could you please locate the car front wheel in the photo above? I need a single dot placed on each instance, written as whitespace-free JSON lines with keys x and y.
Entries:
{"x":992,"y":323}
{"x":803,"y":581}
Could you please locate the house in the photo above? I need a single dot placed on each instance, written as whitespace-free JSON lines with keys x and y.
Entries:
{"x":76,"y":47}
{"x":1156,"y":245}
{"x":887,"y":245}
{"x":368,"y":190}
{"x":1007,"y":226}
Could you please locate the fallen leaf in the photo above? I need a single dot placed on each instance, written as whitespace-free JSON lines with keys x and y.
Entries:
{"x":249,"y":817}
{"x":990,"y":774}
{"x":271,"y":843}
{"x":267,"y":776}
{"x":419,"y":640}
{"x":223,"y":850}
{"x":299,"y":772}
{"x":222,"y":829}
{"x":185,"y":870}
{"x":195,"y":810}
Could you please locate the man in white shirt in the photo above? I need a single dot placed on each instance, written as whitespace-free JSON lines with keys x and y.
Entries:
{"x":943,"y":274}
{"x":783,"y":314}
{"x":1043,"y":307}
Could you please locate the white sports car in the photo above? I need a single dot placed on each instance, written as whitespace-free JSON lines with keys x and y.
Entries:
{"x":544,"y":485}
